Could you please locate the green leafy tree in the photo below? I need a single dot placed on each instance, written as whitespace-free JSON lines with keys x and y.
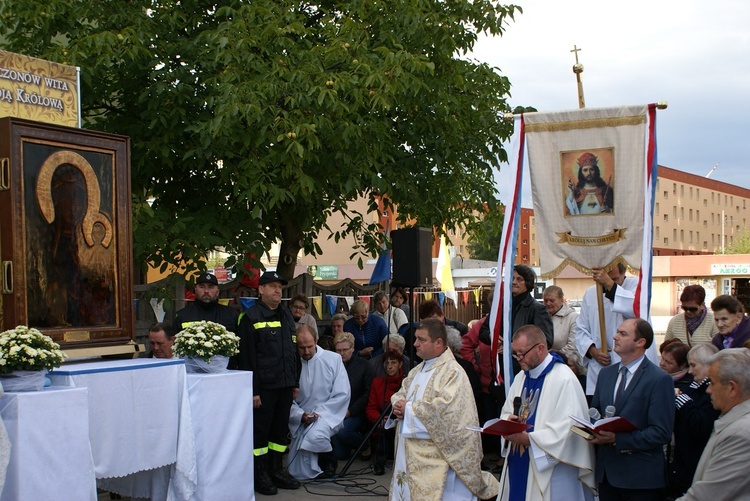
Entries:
{"x":253,"y":121}
{"x":485,"y":233}
{"x":740,"y":244}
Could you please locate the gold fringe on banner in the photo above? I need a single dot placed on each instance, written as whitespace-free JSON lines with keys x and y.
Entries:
{"x":591,"y":123}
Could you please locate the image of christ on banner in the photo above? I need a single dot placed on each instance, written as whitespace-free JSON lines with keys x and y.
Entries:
{"x":588,"y":181}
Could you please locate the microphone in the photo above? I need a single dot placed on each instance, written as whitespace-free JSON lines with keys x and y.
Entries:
{"x":594,"y":414}
{"x":609,"y":411}
{"x":516,"y":411}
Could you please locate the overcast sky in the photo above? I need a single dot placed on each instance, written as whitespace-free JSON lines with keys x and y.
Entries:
{"x":693,"y":54}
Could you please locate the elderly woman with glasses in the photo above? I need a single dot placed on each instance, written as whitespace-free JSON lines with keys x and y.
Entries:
{"x":695,"y":325}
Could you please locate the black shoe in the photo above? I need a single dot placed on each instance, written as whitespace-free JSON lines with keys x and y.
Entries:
{"x":327,"y":462}
{"x":263,"y":483}
{"x":284,"y":480}
{"x":279,"y":476}
{"x":378,"y":469}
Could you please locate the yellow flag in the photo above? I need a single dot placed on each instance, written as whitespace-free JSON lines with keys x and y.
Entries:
{"x":443,"y":271}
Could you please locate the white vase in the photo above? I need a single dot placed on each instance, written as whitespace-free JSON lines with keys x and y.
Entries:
{"x":23,"y":380}
{"x":216,"y":365}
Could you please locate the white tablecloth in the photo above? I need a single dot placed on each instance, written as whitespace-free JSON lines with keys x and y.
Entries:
{"x":50,"y":455}
{"x":140,"y":425}
{"x":221,"y":406}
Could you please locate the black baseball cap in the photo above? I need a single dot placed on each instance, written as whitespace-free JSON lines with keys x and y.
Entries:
{"x":207,"y":278}
{"x":270,"y":276}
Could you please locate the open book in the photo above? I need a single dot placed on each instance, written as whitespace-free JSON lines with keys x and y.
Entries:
{"x":614,"y":424}
{"x":501,"y":427}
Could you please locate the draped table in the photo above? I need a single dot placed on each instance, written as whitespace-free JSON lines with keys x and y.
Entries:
{"x":222,"y":410}
{"x":140,"y":426}
{"x":50,"y":456}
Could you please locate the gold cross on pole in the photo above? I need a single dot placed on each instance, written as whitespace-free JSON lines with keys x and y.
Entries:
{"x":575,"y":51}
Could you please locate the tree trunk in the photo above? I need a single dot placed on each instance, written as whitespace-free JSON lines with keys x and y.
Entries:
{"x":291,"y":244}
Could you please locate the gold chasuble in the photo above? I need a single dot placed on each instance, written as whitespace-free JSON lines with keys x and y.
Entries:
{"x":445,"y":409}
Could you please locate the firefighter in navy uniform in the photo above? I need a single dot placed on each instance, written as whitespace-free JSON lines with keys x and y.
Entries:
{"x":206,"y":306}
{"x":268,"y":348}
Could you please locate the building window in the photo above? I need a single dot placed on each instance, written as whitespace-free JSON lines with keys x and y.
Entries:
{"x":705,"y":202}
{"x":682,"y":236}
{"x":682,"y":213}
{"x":524,"y":226}
{"x":666,"y":241}
{"x":525,"y":257}
{"x":666,"y":217}
{"x":674,"y":235}
{"x":533,"y":252}
{"x":656,"y":236}
{"x":697,"y":215}
{"x":674,"y":188}
{"x":533,"y":237}
{"x":682,"y":190}
{"x":691,"y":193}
{"x":690,"y":215}
{"x":525,"y":242}
{"x":705,"y":223}
{"x":691,"y":236}
{"x":705,"y":245}
{"x":674,"y":212}
{"x":698,"y":193}
{"x":666,"y":194}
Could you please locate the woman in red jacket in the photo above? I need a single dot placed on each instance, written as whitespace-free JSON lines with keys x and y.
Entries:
{"x":381,"y":391}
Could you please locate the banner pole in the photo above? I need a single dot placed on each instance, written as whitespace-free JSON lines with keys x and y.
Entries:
{"x":602,"y":325}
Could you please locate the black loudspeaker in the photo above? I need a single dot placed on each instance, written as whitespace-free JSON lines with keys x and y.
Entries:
{"x":412,"y":257}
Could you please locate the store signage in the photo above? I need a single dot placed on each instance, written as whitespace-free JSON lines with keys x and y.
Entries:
{"x":730,"y":269}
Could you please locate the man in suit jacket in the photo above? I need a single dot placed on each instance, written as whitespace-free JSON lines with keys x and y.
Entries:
{"x":722,"y":470}
{"x":631,"y":465}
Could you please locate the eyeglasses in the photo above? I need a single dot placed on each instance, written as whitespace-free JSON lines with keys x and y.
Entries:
{"x":691,"y":309}
{"x":299,"y":307}
{"x":520,"y":356}
{"x":344,"y":350}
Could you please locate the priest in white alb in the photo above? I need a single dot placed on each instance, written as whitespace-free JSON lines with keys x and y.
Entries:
{"x":548,"y":462}
{"x":437,"y":458}
{"x":318,"y":411}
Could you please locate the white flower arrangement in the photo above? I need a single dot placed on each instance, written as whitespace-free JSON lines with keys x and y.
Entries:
{"x":205,"y":339}
{"x":27,"y":349}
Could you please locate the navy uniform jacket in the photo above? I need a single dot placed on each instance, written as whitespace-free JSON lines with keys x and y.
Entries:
{"x":636,"y":460}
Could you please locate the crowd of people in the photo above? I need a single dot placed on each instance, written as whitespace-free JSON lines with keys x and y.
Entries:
{"x":354,"y":390}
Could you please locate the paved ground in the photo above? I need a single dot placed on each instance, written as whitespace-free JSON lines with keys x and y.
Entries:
{"x":357,"y":484}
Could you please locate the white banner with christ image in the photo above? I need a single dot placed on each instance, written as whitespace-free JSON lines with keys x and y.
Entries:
{"x":590,"y":182}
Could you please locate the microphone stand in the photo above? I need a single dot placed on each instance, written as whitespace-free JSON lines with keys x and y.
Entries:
{"x":386,"y":411}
